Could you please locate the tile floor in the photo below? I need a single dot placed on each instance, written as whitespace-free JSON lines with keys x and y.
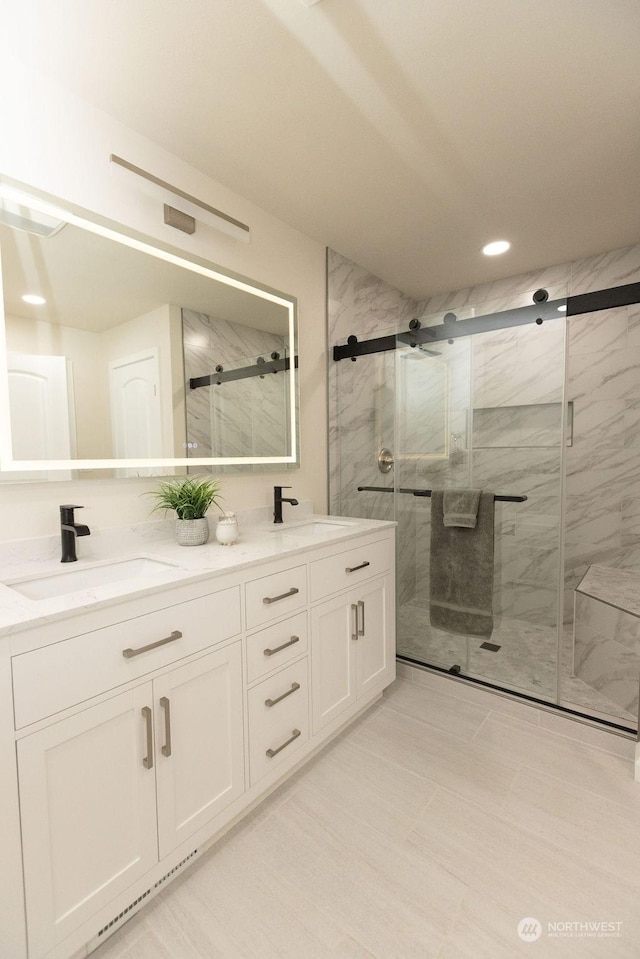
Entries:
{"x":526,"y":661}
{"x":430,"y":828}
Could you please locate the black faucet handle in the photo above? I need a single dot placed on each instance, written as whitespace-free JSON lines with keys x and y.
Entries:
{"x":68,"y":506}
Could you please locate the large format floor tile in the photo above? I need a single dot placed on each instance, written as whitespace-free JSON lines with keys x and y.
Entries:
{"x":431,"y":828}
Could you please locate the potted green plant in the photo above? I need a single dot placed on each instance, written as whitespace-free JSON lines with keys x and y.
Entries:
{"x":190,"y":497}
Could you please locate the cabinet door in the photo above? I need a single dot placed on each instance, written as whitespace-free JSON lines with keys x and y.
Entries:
{"x":87,"y":798}
{"x":376,"y":645}
{"x":200,"y":743}
{"x":333,"y":659}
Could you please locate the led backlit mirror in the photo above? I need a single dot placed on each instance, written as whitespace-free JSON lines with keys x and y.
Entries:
{"x":139,"y":360}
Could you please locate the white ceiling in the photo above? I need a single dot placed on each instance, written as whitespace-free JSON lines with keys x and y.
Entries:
{"x":403,"y":133}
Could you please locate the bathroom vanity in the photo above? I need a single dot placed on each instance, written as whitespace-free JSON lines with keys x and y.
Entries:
{"x":141,"y":716}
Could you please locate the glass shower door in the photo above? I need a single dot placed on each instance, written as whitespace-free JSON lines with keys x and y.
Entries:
{"x":486,"y":411}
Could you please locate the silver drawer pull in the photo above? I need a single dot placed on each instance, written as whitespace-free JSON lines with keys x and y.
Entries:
{"x":147,"y":761}
{"x":271,"y":702}
{"x":276,"y":649}
{"x":166,"y":705}
{"x":274,"y":599}
{"x":352,"y":569}
{"x":274,"y":752}
{"x":361,"y":608}
{"x":354,"y":610}
{"x":128,"y":653}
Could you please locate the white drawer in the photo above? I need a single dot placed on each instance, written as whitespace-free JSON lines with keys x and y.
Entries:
{"x":278,"y":719}
{"x":274,"y":596}
{"x":58,"y":676}
{"x":346,"y":569}
{"x":276,"y":645}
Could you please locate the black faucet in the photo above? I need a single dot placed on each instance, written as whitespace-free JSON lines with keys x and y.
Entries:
{"x":69,"y":529}
{"x":278,"y":500}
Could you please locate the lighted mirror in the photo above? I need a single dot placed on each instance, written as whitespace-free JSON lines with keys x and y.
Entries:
{"x":122,"y":354}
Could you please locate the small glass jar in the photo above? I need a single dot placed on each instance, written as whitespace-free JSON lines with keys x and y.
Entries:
{"x":227,"y":529}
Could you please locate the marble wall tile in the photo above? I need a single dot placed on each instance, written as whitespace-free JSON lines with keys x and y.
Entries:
{"x":599,"y":332}
{"x":517,"y":426}
{"x":599,"y":272}
{"x":600,"y":423}
{"x":633,"y":325}
{"x":609,"y":375}
{"x":631,"y":424}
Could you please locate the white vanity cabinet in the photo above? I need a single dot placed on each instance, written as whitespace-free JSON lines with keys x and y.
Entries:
{"x":142,"y":729}
{"x":352,"y":633}
{"x":114,"y":787}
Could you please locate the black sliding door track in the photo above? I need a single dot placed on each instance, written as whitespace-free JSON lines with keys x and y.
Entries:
{"x":452,"y":328}
{"x":518,"y":695}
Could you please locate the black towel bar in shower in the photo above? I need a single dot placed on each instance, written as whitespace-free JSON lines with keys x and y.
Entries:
{"x":499,"y":497}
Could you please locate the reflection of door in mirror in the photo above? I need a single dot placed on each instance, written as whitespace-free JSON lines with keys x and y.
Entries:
{"x":41,"y":406}
{"x":136,"y":412}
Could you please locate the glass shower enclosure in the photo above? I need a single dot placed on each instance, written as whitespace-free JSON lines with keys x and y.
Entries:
{"x":471,"y":400}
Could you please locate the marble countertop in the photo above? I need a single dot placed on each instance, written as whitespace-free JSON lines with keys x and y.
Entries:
{"x":259,"y":541}
{"x":617,"y":587}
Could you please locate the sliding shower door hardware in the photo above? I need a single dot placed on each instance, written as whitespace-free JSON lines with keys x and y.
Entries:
{"x":570,"y":423}
{"x":581,"y":303}
{"x":260,"y":369}
{"x":625,"y":295}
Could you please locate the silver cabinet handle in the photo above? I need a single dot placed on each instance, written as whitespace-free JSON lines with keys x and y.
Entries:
{"x":128,"y":653}
{"x":354,"y":610}
{"x":271,"y":702}
{"x":147,"y":761}
{"x":352,"y":569}
{"x":166,"y":705}
{"x":276,"y":649}
{"x":361,"y":608}
{"x":274,"y":599}
{"x":274,"y":752}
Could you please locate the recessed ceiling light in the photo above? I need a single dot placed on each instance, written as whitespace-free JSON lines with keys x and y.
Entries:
{"x":562,"y":309}
{"x":496,"y":248}
{"x":34,"y":298}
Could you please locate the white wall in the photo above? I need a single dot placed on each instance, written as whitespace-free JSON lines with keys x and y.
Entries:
{"x":60,"y":144}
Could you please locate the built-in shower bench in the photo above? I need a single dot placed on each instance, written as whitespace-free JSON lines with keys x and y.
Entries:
{"x":607,"y":633}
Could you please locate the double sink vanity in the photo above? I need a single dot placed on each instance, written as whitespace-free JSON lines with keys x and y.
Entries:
{"x":150,"y":695}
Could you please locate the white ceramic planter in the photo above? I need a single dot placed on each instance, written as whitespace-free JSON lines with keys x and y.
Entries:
{"x":192,"y":532}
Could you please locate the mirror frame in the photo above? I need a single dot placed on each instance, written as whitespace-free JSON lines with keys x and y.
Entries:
{"x":37,"y":200}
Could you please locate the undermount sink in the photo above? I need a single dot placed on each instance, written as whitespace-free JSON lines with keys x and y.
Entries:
{"x":87,"y":577}
{"x":315,"y":527}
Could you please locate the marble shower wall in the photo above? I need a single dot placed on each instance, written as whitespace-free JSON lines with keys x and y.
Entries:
{"x":517,"y":416}
{"x":241,"y":417}
{"x":362,"y":406}
{"x":603,"y":465}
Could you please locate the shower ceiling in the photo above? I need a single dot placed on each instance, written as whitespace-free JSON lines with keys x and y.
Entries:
{"x":404,"y":134}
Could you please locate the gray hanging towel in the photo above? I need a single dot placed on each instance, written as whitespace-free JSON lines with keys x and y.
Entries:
{"x":460,"y":507}
{"x":462,"y":570}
